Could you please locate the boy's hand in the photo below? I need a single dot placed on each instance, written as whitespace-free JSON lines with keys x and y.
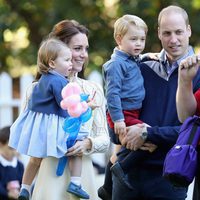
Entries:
{"x":147,"y":146}
{"x":153,"y":56}
{"x":120,"y":127}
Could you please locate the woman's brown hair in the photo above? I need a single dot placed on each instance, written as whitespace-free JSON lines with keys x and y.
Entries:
{"x":65,"y":30}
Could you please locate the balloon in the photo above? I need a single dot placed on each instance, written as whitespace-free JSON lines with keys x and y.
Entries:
{"x":63,"y":105}
{"x":70,"y":89}
{"x":72,"y":100}
{"x":75,"y":111}
{"x":86,"y":115}
{"x":84,"y":106}
{"x":75,"y":104}
{"x":84,"y":97}
{"x":71,"y":125}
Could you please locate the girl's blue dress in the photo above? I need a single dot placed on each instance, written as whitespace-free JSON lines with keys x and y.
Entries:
{"x":38,"y":131}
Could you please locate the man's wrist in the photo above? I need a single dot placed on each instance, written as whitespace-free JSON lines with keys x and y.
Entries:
{"x":144,"y":133}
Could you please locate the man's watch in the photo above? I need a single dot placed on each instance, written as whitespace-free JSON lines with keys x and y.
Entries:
{"x":144,"y":134}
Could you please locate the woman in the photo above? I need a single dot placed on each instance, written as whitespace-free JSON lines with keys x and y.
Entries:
{"x":48,"y":185}
{"x":188,"y":103}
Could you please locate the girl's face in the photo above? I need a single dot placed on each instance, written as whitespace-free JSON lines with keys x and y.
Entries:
{"x":79,"y":48}
{"x":63,"y":63}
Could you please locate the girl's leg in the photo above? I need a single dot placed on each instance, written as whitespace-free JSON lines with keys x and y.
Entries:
{"x":31,"y":170}
{"x":75,"y":167}
{"x":28,"y":177}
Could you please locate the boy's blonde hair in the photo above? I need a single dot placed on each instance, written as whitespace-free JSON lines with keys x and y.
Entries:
{"x":122,"y":24}
{"x":47,"y":52}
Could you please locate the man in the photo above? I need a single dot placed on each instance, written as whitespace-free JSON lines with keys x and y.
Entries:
{"x":159,"y":111}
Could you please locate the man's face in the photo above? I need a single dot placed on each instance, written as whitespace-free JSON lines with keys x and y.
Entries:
{"x":174,"y":35}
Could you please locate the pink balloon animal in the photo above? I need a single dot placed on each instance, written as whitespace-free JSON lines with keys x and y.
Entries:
{"x":72,"y":100}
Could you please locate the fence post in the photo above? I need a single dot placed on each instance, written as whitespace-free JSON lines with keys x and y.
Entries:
{"x":25,"y":81}
{"x":6,"y":114}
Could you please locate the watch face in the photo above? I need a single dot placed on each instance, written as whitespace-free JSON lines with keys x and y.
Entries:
{"x":144,"y":135}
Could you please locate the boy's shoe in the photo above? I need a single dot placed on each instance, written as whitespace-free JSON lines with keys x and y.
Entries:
{"x":122,"y":177}
{"x":103,"y":194}
{"x":23,"y":195}
{"x":77,"y":190}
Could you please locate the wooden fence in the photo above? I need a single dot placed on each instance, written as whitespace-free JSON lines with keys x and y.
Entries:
{"x":7,"y":101}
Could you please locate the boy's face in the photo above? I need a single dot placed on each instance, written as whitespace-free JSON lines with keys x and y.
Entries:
{"x":133,"y":42}
{"x":7,"y":152}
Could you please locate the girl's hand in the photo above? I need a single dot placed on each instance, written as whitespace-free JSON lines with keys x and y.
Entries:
{"x":92,"y":104}
{"x":79,"y":148}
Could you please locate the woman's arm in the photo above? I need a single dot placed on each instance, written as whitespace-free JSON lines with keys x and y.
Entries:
{"x":99,"y":134}
{"x":185,"y":100}
{"x":98,"y":140}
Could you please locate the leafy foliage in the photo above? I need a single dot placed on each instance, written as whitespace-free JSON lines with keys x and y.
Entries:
{"x":39,"y":16}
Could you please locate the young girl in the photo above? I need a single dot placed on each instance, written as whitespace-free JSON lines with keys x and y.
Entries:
{"x":11,"y":169}
{"x":38,"y":131}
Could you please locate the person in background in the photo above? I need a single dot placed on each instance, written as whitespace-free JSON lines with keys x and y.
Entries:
{"x":124,"y":93}
{"x":53,"y":187}
{"x":11,"y":169}
{"x":159,"y":111}
{"x":188,"y":101}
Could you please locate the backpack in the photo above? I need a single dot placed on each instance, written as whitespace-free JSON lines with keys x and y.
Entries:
{"x":180,"y":164}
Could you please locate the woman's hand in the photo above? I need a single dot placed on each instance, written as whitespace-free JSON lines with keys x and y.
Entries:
{"x":188,"y":68}
{"x":79,"y":148}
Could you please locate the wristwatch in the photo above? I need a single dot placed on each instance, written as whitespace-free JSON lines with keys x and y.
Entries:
{"x":144,"y":134}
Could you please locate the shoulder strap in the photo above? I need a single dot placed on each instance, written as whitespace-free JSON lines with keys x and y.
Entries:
{"x":194,"y":133}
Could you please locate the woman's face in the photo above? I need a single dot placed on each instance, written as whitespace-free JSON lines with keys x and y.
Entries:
{"x":79,"y":47}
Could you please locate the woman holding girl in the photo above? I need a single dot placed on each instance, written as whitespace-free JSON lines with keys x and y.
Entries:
{"x":48,"y":185}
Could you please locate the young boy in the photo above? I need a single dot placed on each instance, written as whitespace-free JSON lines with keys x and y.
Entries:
{"x":11,"y":169}
{"x":124,"y":91}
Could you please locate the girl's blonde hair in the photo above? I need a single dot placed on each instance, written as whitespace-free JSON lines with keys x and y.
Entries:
{"x":122,"y":24}
{"x":48,"y":51}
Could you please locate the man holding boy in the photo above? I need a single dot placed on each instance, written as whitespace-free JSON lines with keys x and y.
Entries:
{"x":159,"y":111}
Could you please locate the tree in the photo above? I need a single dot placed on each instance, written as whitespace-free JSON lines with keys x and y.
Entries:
{"x":34,"y":19}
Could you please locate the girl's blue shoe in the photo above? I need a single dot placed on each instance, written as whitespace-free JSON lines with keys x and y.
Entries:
{"x":23,"y":195}
{"x":77,"y":190}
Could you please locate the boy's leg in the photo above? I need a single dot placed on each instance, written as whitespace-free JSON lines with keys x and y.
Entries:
{"x":133,"y":159}
{"x":105,"y":191}
{"x":130,"y":160}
